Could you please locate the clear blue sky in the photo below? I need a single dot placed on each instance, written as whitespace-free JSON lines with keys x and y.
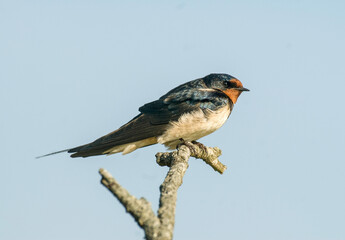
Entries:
{"x":72,"y":71}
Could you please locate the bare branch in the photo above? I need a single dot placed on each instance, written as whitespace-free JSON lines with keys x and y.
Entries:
{"x":168,"y":197}
{"x":162,"y":226}
{"x":140,"y":209}
{"x":208,"y":154}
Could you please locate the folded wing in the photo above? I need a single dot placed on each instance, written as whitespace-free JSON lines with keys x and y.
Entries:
{"x":152,"y":122}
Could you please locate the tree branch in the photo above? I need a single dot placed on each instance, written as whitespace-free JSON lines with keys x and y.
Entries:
{"x":140,"y":209}
{"x":208,"y":154}
{"x":162,"y":226}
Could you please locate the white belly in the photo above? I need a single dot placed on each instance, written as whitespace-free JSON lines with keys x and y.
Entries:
{"x":194,"y":125}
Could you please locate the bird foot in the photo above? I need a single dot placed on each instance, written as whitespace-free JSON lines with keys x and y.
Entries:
{"x":187,"y":144}
{"x":200,"y":145}
{"x":191,"y":146}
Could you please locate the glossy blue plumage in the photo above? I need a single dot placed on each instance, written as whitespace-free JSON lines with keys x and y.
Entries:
{"x":204,"y":93}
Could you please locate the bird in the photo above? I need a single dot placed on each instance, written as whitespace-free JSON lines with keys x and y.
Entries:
{"x":188,"y":112}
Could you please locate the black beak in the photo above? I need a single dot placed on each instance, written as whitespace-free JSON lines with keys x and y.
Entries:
{"x":243,"y":89}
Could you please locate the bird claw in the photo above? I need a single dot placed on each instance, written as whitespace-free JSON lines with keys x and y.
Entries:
{"x":183,"y":142}
{"x":180,"y":144}
{"x":191,"y":146}
{"x":200,"y":145}
{"x":187,"y":144}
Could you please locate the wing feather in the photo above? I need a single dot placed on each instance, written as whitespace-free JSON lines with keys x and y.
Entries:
{"x":139,"y":128}
{"x":171,"y":106}
{"x":154,"y":119}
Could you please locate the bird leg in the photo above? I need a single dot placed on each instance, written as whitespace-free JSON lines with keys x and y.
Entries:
{"x":207,"y":154}
{"x":191,"y":146}
{"x":187,"y":144}
{"x":200,"y":145}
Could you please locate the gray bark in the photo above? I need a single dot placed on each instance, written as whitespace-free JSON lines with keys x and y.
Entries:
{"x":161,"y":226}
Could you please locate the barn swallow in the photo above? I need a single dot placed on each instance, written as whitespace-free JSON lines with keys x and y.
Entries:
{"x":189,"y":112}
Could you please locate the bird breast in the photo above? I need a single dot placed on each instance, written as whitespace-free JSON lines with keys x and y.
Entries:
{"x":194,"y":125}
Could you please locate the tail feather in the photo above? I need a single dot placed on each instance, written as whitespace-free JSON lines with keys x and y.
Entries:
{"x":137,"y":133}
{"x":53,"y":153}
{"x":124,"y":148}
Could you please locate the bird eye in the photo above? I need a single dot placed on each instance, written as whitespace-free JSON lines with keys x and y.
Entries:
{"x":227,"y":84}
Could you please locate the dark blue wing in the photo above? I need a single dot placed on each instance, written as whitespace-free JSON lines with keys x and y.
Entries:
{"x":175,"y":103}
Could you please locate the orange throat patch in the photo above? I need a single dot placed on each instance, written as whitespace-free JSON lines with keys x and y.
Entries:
{"x":233,"y":94}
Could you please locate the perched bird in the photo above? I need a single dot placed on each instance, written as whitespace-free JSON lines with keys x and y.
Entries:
{"x":189,"y":112}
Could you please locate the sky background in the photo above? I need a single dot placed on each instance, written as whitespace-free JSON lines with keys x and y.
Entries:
{"x":72,"y":71}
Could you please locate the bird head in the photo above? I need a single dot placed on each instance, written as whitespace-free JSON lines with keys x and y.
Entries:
{"x":230,"y":86}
